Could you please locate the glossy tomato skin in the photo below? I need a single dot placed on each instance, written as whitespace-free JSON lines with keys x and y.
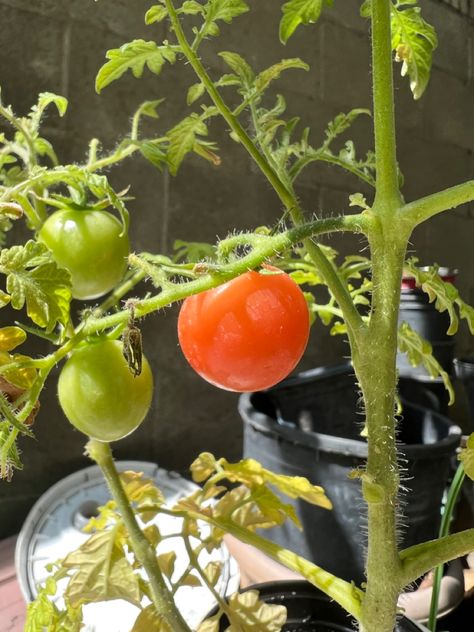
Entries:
{"x":90,"y":245}
{"x":99,"y":395}
{"x":247,"y":334}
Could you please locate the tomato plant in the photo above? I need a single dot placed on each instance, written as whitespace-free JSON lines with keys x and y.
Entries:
{"x":100,"y":396}
{"x":91,"y":245}
{"x":247,"y":334}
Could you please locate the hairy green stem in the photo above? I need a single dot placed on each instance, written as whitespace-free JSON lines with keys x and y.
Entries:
{"x":162,"y":600}
{"x":344,"y":593}
{"x":284,"y":192}
{"x":420,"y":558}
{"x":420,"y":210}
{"x":453,"y":494}
{"x":387,"y":191}
{"x":376,"y":372}
{"x":120,"y":291}
{"x":269,"y":247}
{"x":234,"y":124}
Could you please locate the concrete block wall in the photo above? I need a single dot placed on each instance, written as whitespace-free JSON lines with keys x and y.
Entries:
{"x":58,"y":45}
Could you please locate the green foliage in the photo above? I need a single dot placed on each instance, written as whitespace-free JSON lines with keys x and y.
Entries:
{"x":134,"y":56}
{"x":466,"y":456}
{"x":413,"y":41}
{"x":35,"y":279}
{"x":186,"y":137}
{"x":296,"y":12}
{"x":44,"y":616}
{"x":353,"y":270}
{"x":420,"y":352}
{"x":215,"y":11}
{"x":443,"y":294}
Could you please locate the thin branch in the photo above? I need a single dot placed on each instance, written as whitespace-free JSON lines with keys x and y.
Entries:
{"x":424,"y":208}
{"x":418,"y":559}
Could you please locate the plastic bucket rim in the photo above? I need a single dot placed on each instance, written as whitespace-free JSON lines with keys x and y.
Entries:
{"x":346,"y":446}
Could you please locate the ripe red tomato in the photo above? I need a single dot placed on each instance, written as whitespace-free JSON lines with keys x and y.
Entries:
{"x":247,"y":334}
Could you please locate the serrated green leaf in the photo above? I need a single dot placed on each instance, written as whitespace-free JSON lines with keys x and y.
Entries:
{"x":342,"y":122}
{"x":101,"y":571}
{"x":182,"y":138}
{"x":268,"y":75}
{"x":154,"y":153}
{"x":225,"y":10}
{"x":44,"y":148}
{"x":149,"y":108}
{"x":228,"y":80}
{"x":156,"y":13}
{"x":240,"y":67}
{"x":133,"y":56}
{"x":46,"y":98}
{"x":357,"y":199}
{"x":413,"y":41}
{"x":444,"y":294}
{"x":195,"y":92}
{"x":420,"y":352}
{"x":35,"y":279}
{"x":191,"y":7}
{"x":296,"y":12}
{"x":466,"y":456}
{"x":308,"y":277}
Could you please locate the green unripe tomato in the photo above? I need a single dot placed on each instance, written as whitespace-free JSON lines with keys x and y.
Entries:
{"x":90,"y":245}
{"x":99,"y":395}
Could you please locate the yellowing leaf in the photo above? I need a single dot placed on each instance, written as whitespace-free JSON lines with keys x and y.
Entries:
{"x":210,"y":625}
{"x":166,"y":562}
{"x":466,"y":456}
{"x":21,"y":377}
{"x":420,"y":352}
{"x":254,"y":615}
{"x":250,"y":472}
{"x":149,"y":621}
{"x":213,"y":571}
{"x":11,"y":337}
{"x":203,"y":467}
{"x":101,"y":571}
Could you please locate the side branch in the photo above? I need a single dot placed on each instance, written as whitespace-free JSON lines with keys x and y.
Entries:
{"x":418,"y":559}
{"x":424,"y":208}
{"x":285,"y":194}
{"x":269,"y":247}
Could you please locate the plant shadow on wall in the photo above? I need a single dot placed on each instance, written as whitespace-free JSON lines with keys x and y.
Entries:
{"x":243,"y":325}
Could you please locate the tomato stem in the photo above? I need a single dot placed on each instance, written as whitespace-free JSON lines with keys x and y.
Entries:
{"x":165,"y":607}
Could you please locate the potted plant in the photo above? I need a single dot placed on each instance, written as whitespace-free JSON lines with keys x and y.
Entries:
{"x":105,"y":384}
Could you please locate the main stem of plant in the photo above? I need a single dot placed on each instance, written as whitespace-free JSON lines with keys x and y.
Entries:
{"x":375,"y":362}
{"x":161,"y":596}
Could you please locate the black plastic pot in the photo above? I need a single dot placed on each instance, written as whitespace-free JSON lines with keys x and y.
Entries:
{"x":310,"y":610}
{"x":308,"y":426}
{"x":464,"y":371}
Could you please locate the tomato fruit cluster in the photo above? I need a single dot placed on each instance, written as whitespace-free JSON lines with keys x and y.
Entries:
{"x":91,"y":245}
{"x":247,"y":334}
{"x":100,"y":396}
